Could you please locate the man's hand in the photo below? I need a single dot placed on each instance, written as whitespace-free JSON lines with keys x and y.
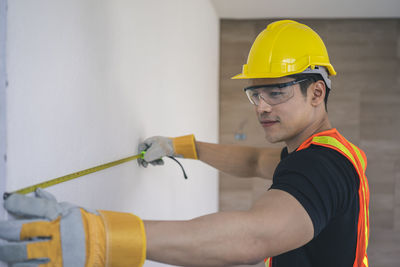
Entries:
{"x":55,"y":234}
{"x":157,"y":147}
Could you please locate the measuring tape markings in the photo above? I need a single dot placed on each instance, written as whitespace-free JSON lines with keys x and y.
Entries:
{"x":74,"y":175}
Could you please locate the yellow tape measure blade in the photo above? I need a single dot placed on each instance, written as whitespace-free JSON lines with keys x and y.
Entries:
{"x":72,"y":176}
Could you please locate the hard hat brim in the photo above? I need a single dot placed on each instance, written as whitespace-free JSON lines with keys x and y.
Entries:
{"x":242,"y":76}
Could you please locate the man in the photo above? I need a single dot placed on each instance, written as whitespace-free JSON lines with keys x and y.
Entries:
{"x":314,"y":214}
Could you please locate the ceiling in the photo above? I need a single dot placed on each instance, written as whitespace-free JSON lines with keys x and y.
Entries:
{"x":255,"y":9}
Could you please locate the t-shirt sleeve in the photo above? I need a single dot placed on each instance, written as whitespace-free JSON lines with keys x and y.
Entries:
{"x":321,"y":185}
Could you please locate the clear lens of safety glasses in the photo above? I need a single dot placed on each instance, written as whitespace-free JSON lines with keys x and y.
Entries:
{"x":272,"y":94}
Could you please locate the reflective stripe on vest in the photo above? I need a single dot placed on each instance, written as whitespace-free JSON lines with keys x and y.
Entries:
{"x":268,"y":262}
{"x":332,"y":139}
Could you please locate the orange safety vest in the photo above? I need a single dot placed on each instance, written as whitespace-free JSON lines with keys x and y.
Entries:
{"x":334,"y":140}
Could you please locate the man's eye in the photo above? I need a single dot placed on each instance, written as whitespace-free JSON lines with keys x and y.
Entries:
{"x":275,"y":93}
{"x":254,"y":95}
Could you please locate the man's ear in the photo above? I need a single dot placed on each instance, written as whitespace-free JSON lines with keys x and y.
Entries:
{"x":318,"y":91}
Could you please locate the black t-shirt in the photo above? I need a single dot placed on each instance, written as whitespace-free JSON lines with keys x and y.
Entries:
{"x":326,"y":184}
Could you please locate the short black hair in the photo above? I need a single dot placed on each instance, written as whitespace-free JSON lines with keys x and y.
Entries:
{"x":311,"y":78}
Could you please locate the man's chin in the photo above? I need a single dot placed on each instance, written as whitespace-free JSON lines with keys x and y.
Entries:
{"x":273,"y":139}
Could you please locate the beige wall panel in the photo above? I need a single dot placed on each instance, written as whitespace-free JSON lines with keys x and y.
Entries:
{"x":397,"y":197}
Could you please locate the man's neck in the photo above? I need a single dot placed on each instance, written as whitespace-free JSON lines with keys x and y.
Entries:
{"x":317,"y":127}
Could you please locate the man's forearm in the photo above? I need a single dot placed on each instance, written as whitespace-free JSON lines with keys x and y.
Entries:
{"x":220,"y":239}
{"x":276,"y":223}
{"x":240,"y":161}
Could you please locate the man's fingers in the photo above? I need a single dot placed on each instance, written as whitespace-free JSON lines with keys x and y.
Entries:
{"x":17,"y":253}
{"x":31,"y":263}
{"x":22,"y":205}
{"x":142,"y":163}
{"x":45,"y":195}
{"x":11,"y":230}
{"x":13,"y":251}
{"x":142,"y":147}
{"x":157,"y":162}
{"x":154,"y":153}
{"x":156,"y":148}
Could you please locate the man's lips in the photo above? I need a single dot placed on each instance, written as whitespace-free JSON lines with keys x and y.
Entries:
{"x":267,"y":123}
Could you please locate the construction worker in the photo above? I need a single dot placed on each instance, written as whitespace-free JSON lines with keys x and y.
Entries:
{"x":314,"y":214}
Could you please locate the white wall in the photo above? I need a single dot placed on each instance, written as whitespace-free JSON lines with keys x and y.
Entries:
{"x":3,"y":22}
{"x":261,"y":9}
{"x":89,"y":79}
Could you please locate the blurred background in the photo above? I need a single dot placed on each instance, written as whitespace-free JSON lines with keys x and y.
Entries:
{"x":83,"y":81}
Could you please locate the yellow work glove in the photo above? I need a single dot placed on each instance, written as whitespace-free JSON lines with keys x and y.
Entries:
{"x":157,"y":147}
{"x":55,"y":234}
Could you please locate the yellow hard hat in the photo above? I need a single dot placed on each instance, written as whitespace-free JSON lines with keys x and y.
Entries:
{"x":284,"y":48}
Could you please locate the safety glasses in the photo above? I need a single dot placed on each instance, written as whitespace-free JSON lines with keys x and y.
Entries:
{"x":272,"y":94}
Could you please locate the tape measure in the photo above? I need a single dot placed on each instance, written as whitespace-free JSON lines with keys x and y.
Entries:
{"x":74,"y":175}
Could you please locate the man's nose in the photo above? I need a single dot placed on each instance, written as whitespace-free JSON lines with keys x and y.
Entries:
{"x":263,"y":106}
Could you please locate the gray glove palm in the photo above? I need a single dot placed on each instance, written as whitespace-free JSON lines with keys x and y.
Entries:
{"x":156,"y":148}
{"x":42,"y":209}
{"x":61,"y":234}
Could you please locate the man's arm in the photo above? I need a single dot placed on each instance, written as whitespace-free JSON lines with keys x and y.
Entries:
{"x":240,"y":161}
{"x":277,"y":223}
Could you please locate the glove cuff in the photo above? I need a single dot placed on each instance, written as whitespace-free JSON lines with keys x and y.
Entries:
{"x":125,"y":239}
{"x":185,"y":146}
